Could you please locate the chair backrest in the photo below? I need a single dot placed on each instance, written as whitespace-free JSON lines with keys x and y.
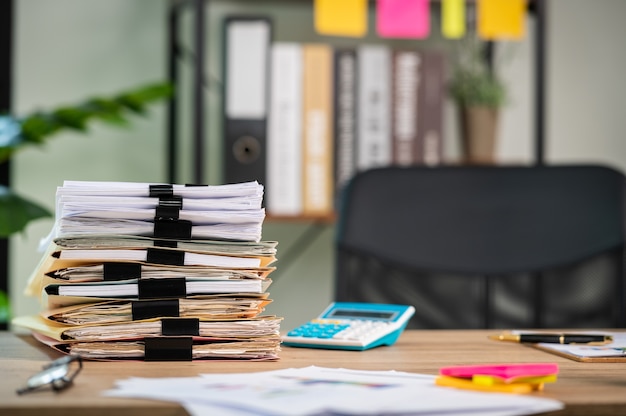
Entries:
{"x":486,"y":247}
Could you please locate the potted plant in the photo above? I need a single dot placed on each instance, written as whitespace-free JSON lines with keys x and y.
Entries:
{"x":479,"y":94}
{"x":35,"y":129}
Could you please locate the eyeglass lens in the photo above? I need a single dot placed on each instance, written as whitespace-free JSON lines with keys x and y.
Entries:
{"x":58,"y":374}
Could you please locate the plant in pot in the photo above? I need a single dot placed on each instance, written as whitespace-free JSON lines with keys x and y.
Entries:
{"x":479,"y":95}
{"x":17,"y":133}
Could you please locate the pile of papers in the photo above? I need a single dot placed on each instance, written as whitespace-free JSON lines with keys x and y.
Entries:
{"x":156,"y":272}
{"x":326,"y":391}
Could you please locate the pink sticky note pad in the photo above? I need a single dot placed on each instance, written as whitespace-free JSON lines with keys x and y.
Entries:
{"x":503,"y":371}
{"x":403,"y":18}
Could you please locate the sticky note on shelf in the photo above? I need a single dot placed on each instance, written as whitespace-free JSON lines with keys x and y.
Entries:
{"x":403,"y":18}
{"x":501,"y":19}
{"x":453,"y":18}
{"x":341,"y":17}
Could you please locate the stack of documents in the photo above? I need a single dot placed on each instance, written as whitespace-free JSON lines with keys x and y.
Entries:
{"x":157,"y":272}
{"x":230,"y":212}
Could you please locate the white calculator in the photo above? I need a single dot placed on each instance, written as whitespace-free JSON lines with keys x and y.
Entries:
{"x":352,"y":326}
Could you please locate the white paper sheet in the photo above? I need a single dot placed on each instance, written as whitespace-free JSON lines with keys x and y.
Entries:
{"x":324,"y":391}
{"x":189,"y":258}
{"x":130,"y":288}
{"x":617,"y":348}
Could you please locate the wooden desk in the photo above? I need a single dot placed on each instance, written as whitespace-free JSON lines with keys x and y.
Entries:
{"x":585,"y":388}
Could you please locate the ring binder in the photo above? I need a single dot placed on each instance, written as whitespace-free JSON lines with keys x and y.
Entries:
{"x":175,"y":287}
{"x":168,"y":349}
{"x":146,"y":309}
{"x":180,"y":326}
{"x":246,"y":75}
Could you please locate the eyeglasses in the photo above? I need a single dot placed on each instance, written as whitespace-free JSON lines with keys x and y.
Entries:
{"x":58,"y":374}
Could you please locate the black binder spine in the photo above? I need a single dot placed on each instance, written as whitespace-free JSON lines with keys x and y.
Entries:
{"x":246,"y":63}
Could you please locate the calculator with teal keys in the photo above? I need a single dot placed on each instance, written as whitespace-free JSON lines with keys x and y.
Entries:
{"x":352,"y":326}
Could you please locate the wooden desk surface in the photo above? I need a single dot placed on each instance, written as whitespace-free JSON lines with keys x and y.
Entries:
{"x":585,"y":388}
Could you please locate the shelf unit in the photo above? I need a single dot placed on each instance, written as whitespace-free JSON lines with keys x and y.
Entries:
{"x":538,"y":8}
{"x":316,"y":225}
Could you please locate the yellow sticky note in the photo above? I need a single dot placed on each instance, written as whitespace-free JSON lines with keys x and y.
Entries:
{"x":501,"y":19}
{"x":453,"y":18}
{"x":488,"y":380}
{"x":341,"y":17}
{"x":461,"y":383}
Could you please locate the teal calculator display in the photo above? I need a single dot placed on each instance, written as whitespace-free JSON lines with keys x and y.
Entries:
{"x":352,"y":326}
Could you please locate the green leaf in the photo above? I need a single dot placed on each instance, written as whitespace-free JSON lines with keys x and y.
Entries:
{"x":5,"y":308}
{"x":477,"y":88}
{"x":5,"y":153}
{"x":39,"y":126}
{"x":473,"y":82}
{"x":36,"y":127}
{"x":72,"y":117}
{"x":108,"y":111}
{"x":16,"y":212}
{"x":132,"y":103}
{"x":136,"y":100}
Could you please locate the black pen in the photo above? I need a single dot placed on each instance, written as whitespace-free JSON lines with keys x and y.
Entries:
{"x":589,"y":339}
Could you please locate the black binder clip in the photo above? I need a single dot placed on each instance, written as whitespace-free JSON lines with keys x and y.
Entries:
{"x":147,"y":309}
{"x":161,"y":190}
{"x":169,"y":207}
{"x":180,"y":326}
{"x":172,"y":228}
{"x":164,"y":256}
{"x":175,"y":287}
{"x":166,"y":243}
{"x":168,"y":349}
{"x":121,"y":271}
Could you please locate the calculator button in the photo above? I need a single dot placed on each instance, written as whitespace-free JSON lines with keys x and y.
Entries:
{"x":353,"y":331}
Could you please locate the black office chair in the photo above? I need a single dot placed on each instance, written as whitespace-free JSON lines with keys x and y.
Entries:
{"x":486,"y":247}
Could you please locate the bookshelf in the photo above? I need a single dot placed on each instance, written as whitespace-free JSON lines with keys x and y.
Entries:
{"x":199,"y":11}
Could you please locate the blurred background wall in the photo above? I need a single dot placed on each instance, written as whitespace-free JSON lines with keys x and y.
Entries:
{"x":67,"y":50}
